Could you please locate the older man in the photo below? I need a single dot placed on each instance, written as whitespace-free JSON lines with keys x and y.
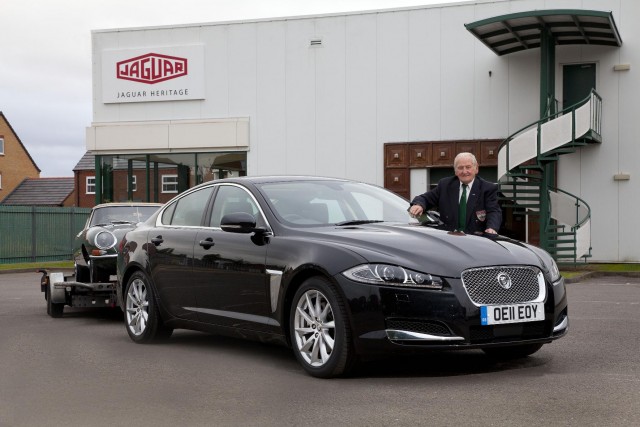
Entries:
{"x":465,"y":201}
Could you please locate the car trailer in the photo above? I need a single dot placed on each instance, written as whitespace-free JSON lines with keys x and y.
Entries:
{"x":60,"y":290}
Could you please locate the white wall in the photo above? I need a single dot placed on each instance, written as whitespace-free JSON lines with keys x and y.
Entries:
{"x":414,"y":74}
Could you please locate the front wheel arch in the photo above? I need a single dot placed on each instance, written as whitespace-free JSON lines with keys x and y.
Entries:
{"x":122,"y":282}
{"x":292,"y":287}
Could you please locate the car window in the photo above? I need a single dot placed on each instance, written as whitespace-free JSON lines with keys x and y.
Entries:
{"x":232,"y":199}
{"x":372,"y":207}
{"x":122,"y":213}
{"x":188,"y":210}
{"x":320,"y":203}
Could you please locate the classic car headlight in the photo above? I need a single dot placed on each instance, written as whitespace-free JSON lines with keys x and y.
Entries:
{"x":105,"y":240}
{"x":385,"y":274}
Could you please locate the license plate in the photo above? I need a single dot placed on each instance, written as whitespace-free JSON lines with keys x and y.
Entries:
{"x":516,"y":313}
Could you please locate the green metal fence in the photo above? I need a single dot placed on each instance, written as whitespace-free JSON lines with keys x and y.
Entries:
{"x":33,"y":234}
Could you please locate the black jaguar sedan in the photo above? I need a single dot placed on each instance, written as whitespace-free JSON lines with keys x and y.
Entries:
{"x":337,"y":270}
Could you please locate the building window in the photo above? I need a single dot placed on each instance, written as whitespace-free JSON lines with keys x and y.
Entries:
{"x":134,"y":184}
{"x":91,"y":185}
{"x":1,"y":146}
{"x":169,"y":183}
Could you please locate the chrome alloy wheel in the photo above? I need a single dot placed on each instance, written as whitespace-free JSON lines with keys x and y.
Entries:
{"x":314,"y":328}
{"x":137,"y":307}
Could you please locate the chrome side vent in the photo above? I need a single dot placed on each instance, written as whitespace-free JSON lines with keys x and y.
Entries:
{"x":315,"y":42}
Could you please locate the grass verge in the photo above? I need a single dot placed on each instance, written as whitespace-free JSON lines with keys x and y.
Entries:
{"x":36,"y":265}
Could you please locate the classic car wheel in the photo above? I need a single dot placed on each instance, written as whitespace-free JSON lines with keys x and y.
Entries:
{"x":320,"y":333}
{"x":512,"y":352}
{"x":53,"y":309}
{"x":142,"y":318}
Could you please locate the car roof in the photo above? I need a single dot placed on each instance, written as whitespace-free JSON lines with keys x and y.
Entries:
{"x":106,"y":205}
{"x":279,"y":178}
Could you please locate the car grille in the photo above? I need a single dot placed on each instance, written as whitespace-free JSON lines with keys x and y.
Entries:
{"x":423,"y":327}
{"x":483,"y":285}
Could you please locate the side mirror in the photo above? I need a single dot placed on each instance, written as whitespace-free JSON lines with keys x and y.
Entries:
{"x":431,"y":219}
{"x":238,"y":222}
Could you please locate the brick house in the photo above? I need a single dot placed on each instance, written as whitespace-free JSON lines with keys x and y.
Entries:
{"x":16,"y":163}
{"x":163,"y":184}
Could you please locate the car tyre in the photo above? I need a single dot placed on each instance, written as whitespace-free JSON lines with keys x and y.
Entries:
{"x":54,"y":310}
{"x":320,"y":331}
{"x":512,"y":352}
{"x":141,"y":314}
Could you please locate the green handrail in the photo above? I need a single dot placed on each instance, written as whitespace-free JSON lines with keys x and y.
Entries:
{"x":595,"y":122}
{"x":596,"y":114}
{"x":578,"y":203}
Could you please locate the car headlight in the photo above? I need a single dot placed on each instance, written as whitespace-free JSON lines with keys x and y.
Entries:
{"x":385,"y":274}
{"x":554,"y":270}
{"x":105,"y":240}
{"x":548,"y":263}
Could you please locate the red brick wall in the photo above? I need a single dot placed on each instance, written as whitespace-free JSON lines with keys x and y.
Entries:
{"x":83,"y":199}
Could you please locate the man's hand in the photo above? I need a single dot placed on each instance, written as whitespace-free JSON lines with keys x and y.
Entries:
{"x":416,"y":211}
{"x":490,"y":231}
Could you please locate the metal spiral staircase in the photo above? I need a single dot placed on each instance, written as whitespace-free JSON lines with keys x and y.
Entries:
{"x":526,"y":162}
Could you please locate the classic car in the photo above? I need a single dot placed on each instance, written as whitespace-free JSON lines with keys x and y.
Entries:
{"x":336,"y":269}
{"x":94,"y":256}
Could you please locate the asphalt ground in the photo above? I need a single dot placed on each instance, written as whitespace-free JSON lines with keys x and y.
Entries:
{"x":83,"y":370}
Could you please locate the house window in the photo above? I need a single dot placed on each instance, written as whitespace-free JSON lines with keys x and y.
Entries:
{"x":169,"y":183}
{"x":91,"y":185}
{"x":1,"y":146}
{"x":134,"y":184}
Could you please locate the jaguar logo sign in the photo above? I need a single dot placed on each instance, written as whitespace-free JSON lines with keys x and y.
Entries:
{"x":151,"y":68}
{"x":152,"y":74}
{"x":504,"y":280}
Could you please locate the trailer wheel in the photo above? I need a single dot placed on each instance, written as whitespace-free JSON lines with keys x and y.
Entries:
{"x":53,"y":309}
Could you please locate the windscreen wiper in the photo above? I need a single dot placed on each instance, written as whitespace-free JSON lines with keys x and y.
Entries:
{"x":358,"y":222}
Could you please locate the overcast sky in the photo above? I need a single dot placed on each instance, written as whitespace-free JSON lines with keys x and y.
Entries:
{"x":45,"y":57}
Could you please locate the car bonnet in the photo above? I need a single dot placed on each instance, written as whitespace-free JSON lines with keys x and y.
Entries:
{"x":428,"y":250}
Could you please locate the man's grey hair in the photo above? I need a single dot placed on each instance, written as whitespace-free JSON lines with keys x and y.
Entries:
{"x":465,"y":155}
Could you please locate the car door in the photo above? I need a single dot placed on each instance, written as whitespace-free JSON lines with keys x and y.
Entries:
{"x":171,"y":245}
{"x":229,"y":268}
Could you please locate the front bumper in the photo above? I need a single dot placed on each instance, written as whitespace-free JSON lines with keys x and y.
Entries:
{"x":386,"y":319}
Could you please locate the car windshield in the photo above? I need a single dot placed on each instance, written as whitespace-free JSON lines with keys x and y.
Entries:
{"x":120,"y":214}
{"x":317,"y":203}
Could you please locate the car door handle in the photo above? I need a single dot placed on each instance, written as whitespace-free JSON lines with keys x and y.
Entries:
{"x":157,"y":240}
{"x":207,"y":243}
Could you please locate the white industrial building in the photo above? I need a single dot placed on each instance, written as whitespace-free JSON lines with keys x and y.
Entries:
{"x":389,"y":97}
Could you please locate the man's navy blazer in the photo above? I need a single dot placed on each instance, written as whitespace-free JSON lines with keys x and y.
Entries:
{"x":483,"y":210}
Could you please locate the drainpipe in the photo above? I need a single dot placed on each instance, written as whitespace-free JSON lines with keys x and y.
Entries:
{"x":98,"y":179}
{"x":547,"y":91}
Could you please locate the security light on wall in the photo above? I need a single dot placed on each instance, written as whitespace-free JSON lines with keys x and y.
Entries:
{"x":622,"y":177}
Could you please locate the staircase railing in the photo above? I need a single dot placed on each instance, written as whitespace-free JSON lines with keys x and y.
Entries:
{"x":568,"y":222}
{"x":551,"y":132}
{"x":573,"y":226}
